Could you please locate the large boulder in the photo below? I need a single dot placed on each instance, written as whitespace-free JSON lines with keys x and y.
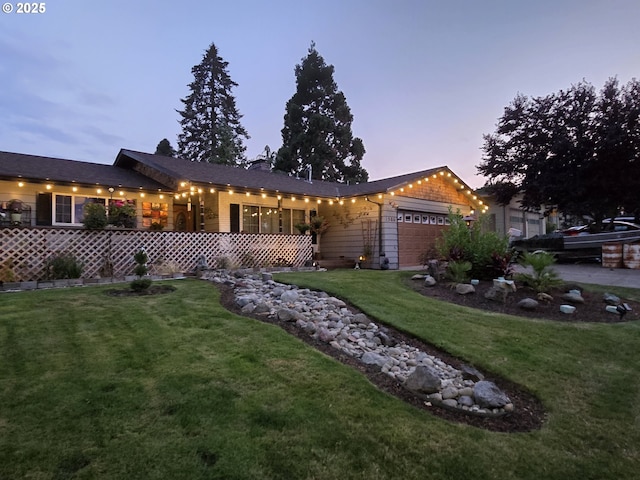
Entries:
{"x":488,"y":395}
{"x":423,"y":380}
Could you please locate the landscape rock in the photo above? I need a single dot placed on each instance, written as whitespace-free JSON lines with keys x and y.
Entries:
{"x":611,"y":299}
{"x":429,"y":281}
{"x":471,"y":373}
{"x":528,"y":304}
{"x":289,"y":296}
{"x":287,"y":315}
{"x":487,"y":394}
{"x":423,"y":380}
{"x":496,"y":294}
{"x":372,"y":358}
{"x":465,"y":288}
{"x":544,"y":297}
{"x":573,"y":297}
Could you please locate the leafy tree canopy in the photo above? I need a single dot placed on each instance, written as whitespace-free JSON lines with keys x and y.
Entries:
{"x":317,"y":127}
{"x":577,"y":150}
{"x":211,"y":128}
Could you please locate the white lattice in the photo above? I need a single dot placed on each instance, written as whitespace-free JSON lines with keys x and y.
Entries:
{"x":27,"y":249}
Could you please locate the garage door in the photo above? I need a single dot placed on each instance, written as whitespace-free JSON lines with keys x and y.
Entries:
{"x":417,"y":234}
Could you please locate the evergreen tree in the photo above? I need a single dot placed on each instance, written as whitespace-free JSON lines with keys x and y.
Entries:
{"x":211,"y":129}
{"x":164,"y":148}
{"x":317,"y":127}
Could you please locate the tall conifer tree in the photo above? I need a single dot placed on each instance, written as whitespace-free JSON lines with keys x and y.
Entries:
{"x":211,"y":128}
{"x":317,"y":127}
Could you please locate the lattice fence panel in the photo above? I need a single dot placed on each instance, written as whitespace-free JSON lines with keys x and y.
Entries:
{"x":27,"y":249}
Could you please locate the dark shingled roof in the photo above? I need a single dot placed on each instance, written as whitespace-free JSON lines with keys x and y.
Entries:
{"x":165,"y":173}
{"x":14,"y":166}
{"x":225,"y":175}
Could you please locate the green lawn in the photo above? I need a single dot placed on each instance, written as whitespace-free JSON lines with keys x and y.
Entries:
{"x":176,"y":387}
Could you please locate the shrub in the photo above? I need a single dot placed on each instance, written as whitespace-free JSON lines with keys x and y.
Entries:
{"x":140,"y":284}
{"x":458,"y":271}
{"x":543,"y":278}
{"x":122,"y":214}
{"x":461,"y":242}
{"x":6,"y":271}
{"x":63,"y":265}
{"x":95,"y":216}
{"x":224,"y":263}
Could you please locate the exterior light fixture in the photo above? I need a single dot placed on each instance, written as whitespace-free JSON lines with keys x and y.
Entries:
{"x":48,"y":186}
{"x":20,"y":184}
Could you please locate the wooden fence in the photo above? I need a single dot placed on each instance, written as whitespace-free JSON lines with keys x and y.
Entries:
{"x":110,"y":252}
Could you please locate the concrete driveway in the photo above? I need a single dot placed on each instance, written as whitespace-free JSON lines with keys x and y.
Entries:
{"x":595,"y":273}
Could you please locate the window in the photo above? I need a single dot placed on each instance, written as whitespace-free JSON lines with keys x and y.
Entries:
{"x":69,"y":209}
{"x":250,"y":216}
{"x":267,"y":219}
{"x":63,"y":208}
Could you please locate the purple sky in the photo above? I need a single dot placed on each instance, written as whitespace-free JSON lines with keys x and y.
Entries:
{"x":424,"y":79}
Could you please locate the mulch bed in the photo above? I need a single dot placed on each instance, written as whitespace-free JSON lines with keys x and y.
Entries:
{"x":529,"y":413}
{"x":593,"y":309}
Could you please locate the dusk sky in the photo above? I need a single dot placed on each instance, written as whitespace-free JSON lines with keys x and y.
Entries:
{"x":424,"y":79}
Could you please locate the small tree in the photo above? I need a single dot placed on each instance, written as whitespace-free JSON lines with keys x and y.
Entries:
{"x":141,"y":270}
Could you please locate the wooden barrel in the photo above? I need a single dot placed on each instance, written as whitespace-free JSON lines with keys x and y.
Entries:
{"x":631,"y":255}
{"x":612,"y":255}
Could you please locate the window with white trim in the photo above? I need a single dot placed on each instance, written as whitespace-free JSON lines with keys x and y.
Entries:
{"x":69,"y":209}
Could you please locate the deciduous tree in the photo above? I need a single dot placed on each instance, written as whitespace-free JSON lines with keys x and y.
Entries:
{"x":576,"y":150}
